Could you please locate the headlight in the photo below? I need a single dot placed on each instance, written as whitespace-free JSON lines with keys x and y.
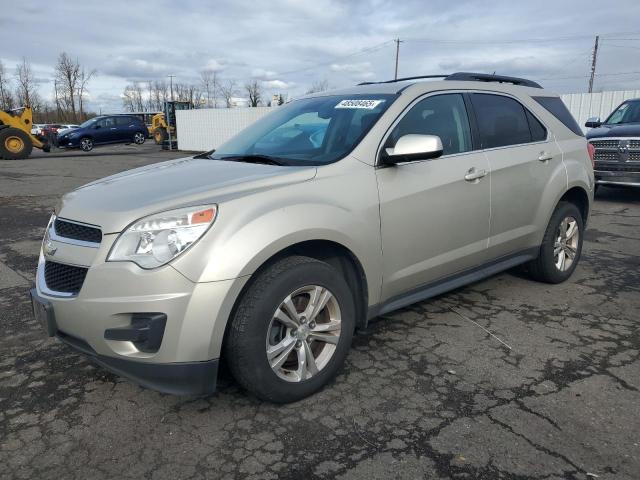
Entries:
{"x":157,"y":239}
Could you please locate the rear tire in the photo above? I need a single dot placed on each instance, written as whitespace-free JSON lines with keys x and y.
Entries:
{"x":139,"y":138}
{"x":15,"y":144}
{"x":160,"y":135}
{"x":561,"y":246}
{"x":282,"y":355}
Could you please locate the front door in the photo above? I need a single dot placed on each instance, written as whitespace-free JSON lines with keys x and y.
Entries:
{"x":434,"y":213}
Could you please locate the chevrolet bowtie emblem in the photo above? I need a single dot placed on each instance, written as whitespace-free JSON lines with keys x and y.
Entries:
{"x":49,"y":248}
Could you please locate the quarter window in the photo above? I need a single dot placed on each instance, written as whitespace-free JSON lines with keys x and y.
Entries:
{"x":538,"y":132}
{"x":502,"y":121}
{"x":441,"y":115}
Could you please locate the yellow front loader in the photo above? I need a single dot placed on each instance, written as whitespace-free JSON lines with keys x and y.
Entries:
{"x":159,"y":128}
{"x":16,"y":140}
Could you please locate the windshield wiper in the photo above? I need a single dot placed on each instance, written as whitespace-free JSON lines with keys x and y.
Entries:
{"x":265,"y":159}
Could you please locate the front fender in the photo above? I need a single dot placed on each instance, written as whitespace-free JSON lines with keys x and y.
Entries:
{"x":340,"y":207}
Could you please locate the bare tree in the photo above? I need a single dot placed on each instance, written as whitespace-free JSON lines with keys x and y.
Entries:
{"x":67,"y":75}
{"x":319,"y":86}
{"x":82,"y":89}
{"x":6,"y":97}
{"x":26,"y":89}
{"x":227,"y":91}
{"x":210,"y":85}
{"x":254,"y":91}
{"x":132,"y":98}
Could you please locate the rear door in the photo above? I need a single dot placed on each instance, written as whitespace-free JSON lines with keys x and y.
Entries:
{"x":434,"y":214}
{"x":524,"y":158}
{"x":125,"y":128}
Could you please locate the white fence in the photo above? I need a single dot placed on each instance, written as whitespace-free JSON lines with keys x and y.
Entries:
{"x":585,"y":105}
{"x":204,"y":129}
{"x":207,"y":128}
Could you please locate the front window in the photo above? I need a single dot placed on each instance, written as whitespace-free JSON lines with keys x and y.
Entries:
{"x":628,"y":112}
{"x":88,"y":123}
{"x":311,"y":131}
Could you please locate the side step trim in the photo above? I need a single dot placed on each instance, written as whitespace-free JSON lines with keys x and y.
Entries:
{"x":452,"y":282}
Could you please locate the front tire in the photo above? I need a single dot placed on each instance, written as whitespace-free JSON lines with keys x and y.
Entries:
{"x":561,"y":246}
{"x":86,"y":144}
{"x":15,"y":144}
{"x":291,"y":331}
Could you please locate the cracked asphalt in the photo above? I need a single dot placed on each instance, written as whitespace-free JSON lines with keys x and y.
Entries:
{"x":426,"y":392}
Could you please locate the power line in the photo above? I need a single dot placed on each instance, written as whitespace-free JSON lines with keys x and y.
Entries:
{"x":518,"y":41}
{"x":336,"y":59}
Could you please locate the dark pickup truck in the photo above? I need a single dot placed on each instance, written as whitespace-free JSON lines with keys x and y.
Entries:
{"x":617,"y":145}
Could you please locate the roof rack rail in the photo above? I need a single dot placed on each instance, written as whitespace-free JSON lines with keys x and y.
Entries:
{"x":405,"y":79}
{"x":468,"y":77}
{"x":485,"y":77}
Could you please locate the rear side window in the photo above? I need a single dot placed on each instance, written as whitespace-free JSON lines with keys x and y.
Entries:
{"x":502,"y":121}
{"x":558,"y":109}
{"x":123,"y":121}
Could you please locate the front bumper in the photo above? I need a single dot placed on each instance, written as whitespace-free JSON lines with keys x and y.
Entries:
{"x":185,"y":378}
{"x":115,"y":294}
{"x":604,"y":177}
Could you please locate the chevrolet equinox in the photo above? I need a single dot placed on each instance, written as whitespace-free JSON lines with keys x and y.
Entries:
{"x":333,"y":209}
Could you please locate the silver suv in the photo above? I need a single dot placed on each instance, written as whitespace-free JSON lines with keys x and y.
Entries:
{"x":334,"y":209}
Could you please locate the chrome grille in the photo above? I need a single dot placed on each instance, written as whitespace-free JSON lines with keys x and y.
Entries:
{"x":64,"y":278}
{"x":634,"y":144}
{"x":606,"y":155}
{"x":77,"y":231}
{"x":605,"y":143}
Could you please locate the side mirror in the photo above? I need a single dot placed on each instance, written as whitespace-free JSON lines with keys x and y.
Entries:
{"x":413,"y":147}
{"x":593,"y":122}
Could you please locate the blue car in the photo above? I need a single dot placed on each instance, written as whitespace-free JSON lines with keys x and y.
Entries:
{"x":103,"y":130}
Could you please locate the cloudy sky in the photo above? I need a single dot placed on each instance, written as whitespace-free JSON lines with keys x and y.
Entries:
{"x":289,"y":44}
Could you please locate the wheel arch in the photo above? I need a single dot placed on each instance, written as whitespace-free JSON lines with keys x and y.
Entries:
{"x":335,"y":254}
{"x":580,"y":198}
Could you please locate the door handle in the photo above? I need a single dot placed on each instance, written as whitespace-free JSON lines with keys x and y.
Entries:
{"x":474,"y":174}
{"x":545,"y":157}
{"x":114,"y":128}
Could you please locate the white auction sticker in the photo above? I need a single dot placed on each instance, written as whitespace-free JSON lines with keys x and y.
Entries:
{"x":366,"y":104}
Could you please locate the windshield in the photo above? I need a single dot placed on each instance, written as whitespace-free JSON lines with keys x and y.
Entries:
{"x":628,"y":112}
{"x":88,"y":123}
{"x":311,"y":131}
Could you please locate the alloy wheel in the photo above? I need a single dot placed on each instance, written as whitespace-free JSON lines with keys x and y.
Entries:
{"x":565,"y":247}
{"x":138,"y":138}
{"x":303,"y":333}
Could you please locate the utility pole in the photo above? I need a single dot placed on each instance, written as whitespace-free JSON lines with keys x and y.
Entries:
{"x":168,"y":111}
{"x":171,"y":85}
{"x":594,"y":58}
{"x":398,"y":42}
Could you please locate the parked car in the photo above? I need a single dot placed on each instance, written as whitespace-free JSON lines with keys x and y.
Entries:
{"x":50,"y":129}
{"x":66,"y":128}
{"x":36,"y":128}
{"x":103,"y":130}
{"x":616,"y":145}
{"x":331,"y":210}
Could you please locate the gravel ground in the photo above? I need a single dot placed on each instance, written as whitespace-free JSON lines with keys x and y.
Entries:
{"x":426,"y":392}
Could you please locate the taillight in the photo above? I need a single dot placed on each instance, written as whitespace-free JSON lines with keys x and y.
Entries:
{"x":592,"y":153}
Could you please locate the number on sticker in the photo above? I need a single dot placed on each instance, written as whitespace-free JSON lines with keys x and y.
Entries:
{"x":366,"y":104}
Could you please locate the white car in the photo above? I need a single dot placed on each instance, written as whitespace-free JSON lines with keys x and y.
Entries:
{"x":36,"y":128}
{"x":66,"y":128}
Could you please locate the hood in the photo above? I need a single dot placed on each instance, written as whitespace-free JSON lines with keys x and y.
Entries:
{"x":116,"y":201}
{"x":625,"y":130}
